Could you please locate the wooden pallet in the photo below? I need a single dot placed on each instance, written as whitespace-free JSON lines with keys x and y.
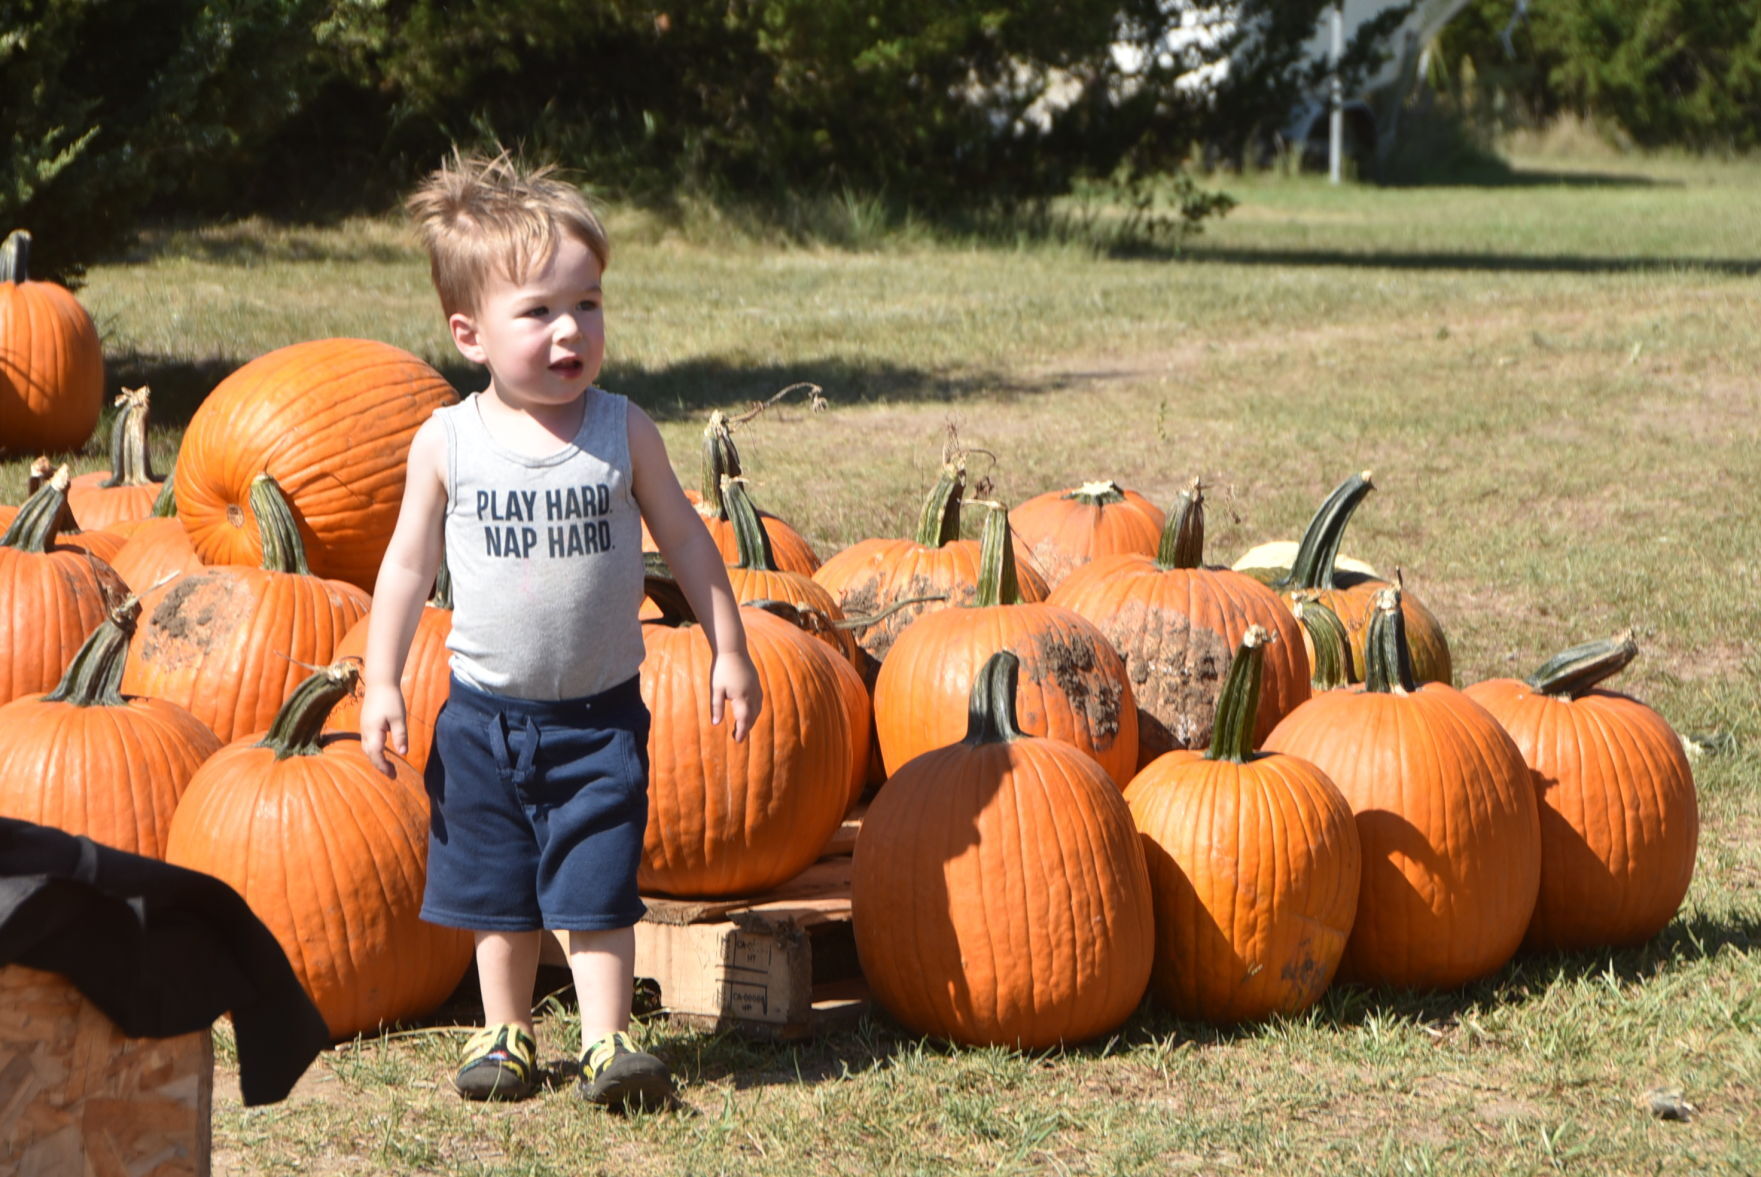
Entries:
{"x":779,"y":965}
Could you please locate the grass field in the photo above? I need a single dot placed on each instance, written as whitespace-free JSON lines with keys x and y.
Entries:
{"x":1556,"y":381}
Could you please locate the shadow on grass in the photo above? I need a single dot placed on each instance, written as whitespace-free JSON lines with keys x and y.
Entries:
{"x":1520,"y":263}
{"x":672,"y":392}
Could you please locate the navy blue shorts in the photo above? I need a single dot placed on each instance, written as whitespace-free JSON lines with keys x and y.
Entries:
{"x":537,"y":811}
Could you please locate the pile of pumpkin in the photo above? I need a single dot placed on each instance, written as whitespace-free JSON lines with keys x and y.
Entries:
{"x":1097,"y":764}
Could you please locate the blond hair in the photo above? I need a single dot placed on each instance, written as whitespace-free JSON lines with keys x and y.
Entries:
{"x":482,"y":217}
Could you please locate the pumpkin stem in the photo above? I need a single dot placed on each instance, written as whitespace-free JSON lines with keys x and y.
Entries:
{"x":130,"y":462}
{"x":939,"y":523}
{"x":43,"y":517}
{"x":1096,"y":494}
{"x":1574,"y":671}
{"x":752,"y":542}
{"x":1183,"y":537}
{"x":441,"y":598}
{"x":299,"y":723}
{"x":1238,"y":704}
{"x":868,"y":620}
{"x":721,"y":461}
{"x":1332,"y":664}
{"x":662,"y":587}
{"x":94,"y":677}
{"x":990,"y":712}
{"x":1387,"y":659}
{"x":1315,"y":555}
{"x":15,"y":257}
{"x":165,"y":506}
{"x":283,"y":549}
{"x":997,"y":580}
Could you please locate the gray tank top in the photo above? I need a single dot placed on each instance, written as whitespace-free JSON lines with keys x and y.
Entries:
{"x":546,"y":557}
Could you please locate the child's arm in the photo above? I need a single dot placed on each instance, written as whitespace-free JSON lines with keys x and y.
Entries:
{"x":692,"y":555}
{"x":405,"y":576}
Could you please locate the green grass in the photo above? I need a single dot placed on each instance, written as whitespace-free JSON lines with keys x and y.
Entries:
{"x":1556,"y":380}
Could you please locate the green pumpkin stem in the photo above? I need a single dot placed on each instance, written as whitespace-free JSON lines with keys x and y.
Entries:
{"x":165,"y":506}
{"x":1387,"y":658}
{"x":1096,"y":494}
{"x":1332,"y":667}
{"x":662,"y":587}
{"x":131,"y":463}
{"x":1238,"y":704}
{"x":94,"y":677}
{"x":938,"y":525}
{"x":721,"y":460}
{"x":998,"y":583}
{"x":43,"y":517}
{"x":283,"y":549}
{"x":1573,"y":672}
{"x":298,"y":725}
{"x":441,"y":597}
{"x":990,"y":712}
{"x":15,"y":257}
{"x":1319,"y":550}
{"x":752,"y":543}
{"x":1183,"y":536}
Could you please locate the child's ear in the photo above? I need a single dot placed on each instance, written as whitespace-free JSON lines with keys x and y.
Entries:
{"x":464,"y":336}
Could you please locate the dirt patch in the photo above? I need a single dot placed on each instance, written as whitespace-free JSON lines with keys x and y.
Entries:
{"x":1075,"y":665}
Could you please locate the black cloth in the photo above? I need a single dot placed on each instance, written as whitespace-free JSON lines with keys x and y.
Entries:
{"x":161,"y":949}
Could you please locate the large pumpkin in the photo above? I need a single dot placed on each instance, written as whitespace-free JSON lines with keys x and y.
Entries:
{"x":331,"y":421}
{"x":1445,"y":813}
{"x":1073,"y":684}
{"x":52,"y":595}
{"x":51,"y":363}
{"x":1177,"y":624}
{"x":331,"y":854}
{"x":1254,"y":863}
{"x":232,"y":642}
{"x":87,"y":760}
{"x":1619,"y":818}
{"x":893,"y":581}
{"x":998,"y":893}
{"x":1065,"y":529}
{"x":727,"y":818}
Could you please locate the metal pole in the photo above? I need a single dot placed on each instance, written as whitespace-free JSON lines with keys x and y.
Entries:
{"x":1336,"y":115}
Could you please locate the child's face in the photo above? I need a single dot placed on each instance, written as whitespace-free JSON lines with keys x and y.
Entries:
{"x":542,"y":339}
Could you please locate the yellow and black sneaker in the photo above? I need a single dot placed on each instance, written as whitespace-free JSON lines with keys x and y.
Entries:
{"x":617,"y":1074}
{"x":500,"y":1063}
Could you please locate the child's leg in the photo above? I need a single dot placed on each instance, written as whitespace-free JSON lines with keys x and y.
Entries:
{"x":507,"y":971}
{"x":604,"y":968}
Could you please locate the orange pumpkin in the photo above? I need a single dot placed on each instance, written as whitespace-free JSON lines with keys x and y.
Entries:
{"x":232,"y":642}
{"x":331,"y":421}
{"x":51,"y":363}
{"x":894,"y":581}
{"x":1254,"y":863}
{"x":427,"y":676}
{"x":128,"y":490}
{"x":87,"y":760}
{"x":1177,"y":624}
{"x":998,"y":892}
{"x":331,"y":854}
{"x":1619,"y":818}
{"x":1445,"y":814}
{"x":1065,"y":529}
{"x":1073,"y":685}
{"x":52,"y":595}
{"x":728,"y":818}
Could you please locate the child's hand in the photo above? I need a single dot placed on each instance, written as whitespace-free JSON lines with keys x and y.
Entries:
{"x":382,"y":725}
{"x":734,"y":680}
